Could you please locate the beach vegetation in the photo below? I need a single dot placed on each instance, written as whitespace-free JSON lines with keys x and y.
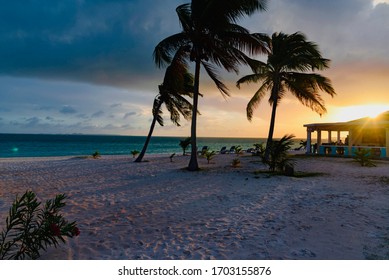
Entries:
{"x":290,"y":67}
{"x":364,"y":157}
{"x":238,"y":150}
{"x":209,"y":155}
{"x":236,"y":162}
{"x":259,"y":149}
{"x":184,"y":144}
{"x":212,"y":38}
{"x":134,"y":153}
{"x":176,"y":86}
{"x":32,"y":227}
{"x":96,"y":154}
{"x":278,"y":159}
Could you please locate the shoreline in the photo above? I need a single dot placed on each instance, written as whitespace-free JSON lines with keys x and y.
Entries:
{"x":158,"y":210}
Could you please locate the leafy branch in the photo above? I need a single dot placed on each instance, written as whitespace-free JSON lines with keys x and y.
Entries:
{"x":31,"y":228}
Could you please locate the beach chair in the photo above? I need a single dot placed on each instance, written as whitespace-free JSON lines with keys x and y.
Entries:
{"x":232,"y":150}
{"x":223,"y":150}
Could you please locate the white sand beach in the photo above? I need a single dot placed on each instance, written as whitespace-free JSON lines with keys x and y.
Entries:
{"x":158,"y":210}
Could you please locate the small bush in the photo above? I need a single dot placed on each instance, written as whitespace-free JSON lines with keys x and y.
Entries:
{"x":363,"y":157}
{"x":134,"y":153}
{"x":31,"y":228}
{"x":259,"y":150}
{"x":238,"y":150}
{"x":236,"y":162}
{"x":96,"y":155}
{"x":209,"y":155}
{"x":278,"y":157}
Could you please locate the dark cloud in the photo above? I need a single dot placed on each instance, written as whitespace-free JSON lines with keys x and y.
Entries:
{"x":68,"y":110}
{"x":107,"y":42}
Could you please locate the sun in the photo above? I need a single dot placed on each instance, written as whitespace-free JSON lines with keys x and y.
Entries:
{"x":349,"y":113}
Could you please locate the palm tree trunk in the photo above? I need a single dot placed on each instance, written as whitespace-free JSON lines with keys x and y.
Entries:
{"x":142,"y":153}
{"x":193,"y":164}
{"x":271,"y":130}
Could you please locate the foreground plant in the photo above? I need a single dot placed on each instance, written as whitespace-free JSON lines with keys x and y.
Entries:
{"x":31,"y":228}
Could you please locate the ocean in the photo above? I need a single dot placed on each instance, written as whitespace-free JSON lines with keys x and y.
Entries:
{"x":47,"y":145}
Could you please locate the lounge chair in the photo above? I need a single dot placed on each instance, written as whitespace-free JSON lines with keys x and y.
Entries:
{"x":232,"y":150}
{"x":223,"y":150}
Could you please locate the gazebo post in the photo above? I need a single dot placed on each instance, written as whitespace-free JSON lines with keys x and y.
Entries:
{"x":309,"y":141}
{"x":350,"y":142}
{"x":387,"y":142}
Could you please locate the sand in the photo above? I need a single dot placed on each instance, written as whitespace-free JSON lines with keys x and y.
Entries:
{"x":158,"y":210}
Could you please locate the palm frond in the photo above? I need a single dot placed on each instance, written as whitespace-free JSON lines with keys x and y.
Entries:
{"x":221,"y":11}
{"x":255,"y":100}
{"x":211,"y":71}
{"x":157,"y":112}
{"x":184,"y":15}
{"x":165,"y":50}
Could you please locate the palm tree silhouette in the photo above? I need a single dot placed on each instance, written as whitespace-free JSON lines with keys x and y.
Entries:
{"x":177,"y":84}
{"x":212,"y":38}
{"x":289,"y":60}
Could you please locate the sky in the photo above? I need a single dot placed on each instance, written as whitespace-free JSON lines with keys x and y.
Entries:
{"x":85,"y":66}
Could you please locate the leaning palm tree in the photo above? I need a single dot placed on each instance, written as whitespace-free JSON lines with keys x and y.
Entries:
{"x":212,"y":38}
{"x":290,"y":68}
{"x":177,"y":84}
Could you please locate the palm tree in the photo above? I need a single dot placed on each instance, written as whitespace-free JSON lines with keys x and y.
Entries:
{"x":212,"y":38}
{"x":290,"y":67}
{"x":177,"y":84}
{"x":184,"y":145}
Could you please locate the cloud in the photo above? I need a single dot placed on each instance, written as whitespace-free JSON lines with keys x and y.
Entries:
{"x":96,"y":56}
{"x":98,"y":114}
{"x":103,"y":42}
{"x":68,"y":110}
{"x":129,"y":114}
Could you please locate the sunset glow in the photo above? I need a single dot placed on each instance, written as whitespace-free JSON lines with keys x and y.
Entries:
{"x":92,"y":71}
{"x":349,"y":113}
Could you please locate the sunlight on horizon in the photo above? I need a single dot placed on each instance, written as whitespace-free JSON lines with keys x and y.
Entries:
{"x":349,"y":113}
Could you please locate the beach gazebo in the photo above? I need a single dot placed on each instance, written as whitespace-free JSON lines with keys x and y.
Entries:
{"x":371,"y":133}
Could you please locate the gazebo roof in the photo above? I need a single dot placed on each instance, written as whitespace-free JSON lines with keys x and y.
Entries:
{"x":381,"y":121}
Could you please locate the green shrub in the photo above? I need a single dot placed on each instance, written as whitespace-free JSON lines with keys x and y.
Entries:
{"x":209,"y":155}
{"x":259,"y":150}
{"x":363,"y":156}
{"x":96,"y":155}
{"x":134,"y":153}
{"x":278,"y":157}
{"x":184,"y":144}
{"x":31,"y":228}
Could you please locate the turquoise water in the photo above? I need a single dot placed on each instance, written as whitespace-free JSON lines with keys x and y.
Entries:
{"x":44,"y":145}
